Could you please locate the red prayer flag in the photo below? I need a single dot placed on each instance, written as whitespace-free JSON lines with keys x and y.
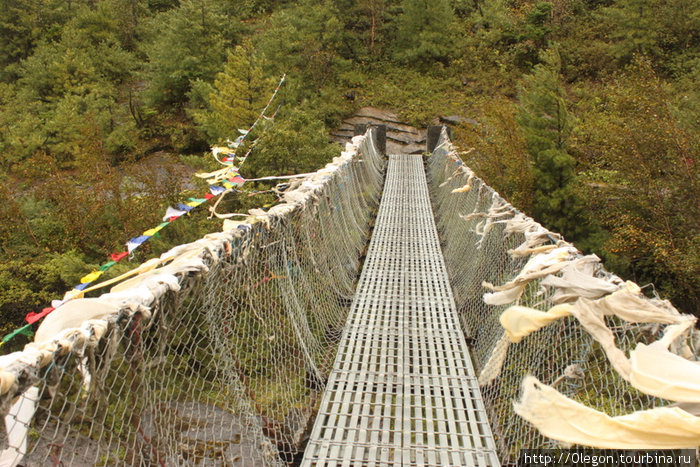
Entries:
{"x":208,"y":196}
{"x":32,"y":317}
{"x":118,"y":256}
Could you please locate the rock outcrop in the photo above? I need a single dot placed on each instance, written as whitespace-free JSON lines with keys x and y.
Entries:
{"x":401,"y":138}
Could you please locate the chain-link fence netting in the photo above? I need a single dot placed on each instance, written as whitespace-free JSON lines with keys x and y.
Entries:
{"x":218,"y":357}
{"x":532,"y":305}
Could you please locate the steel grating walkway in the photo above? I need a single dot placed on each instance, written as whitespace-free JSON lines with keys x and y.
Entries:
{"x":402,"y":390}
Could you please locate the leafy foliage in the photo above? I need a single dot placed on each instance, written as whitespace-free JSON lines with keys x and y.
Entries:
{"x":297,"y":143}
{"x":643,"y":181}
{"x":573,"y":100}
{"x":502,"y":156}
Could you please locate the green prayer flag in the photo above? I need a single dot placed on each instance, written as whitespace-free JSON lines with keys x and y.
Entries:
{"x":24,"y":330}
{"x":106,"y":266}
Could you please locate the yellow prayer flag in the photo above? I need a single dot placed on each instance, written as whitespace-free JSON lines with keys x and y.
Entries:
{"x":91,"y":277}
{"x":153,"y":231}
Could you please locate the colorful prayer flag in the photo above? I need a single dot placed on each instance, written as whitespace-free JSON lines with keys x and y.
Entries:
{"x":118,"y":256}
{"x":216,"y":190}
{"x":94,"y":275}
{"x":171,"y":213}
{"x":33,"y":317}
{"x":155,"y":230}
{"x":135,"y":242}
{"x":184,"y":207}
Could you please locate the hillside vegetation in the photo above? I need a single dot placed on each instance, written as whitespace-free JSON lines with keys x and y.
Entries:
{"x":583,"y":113}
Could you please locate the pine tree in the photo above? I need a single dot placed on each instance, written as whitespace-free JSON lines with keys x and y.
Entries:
{"x":425,"y":32}
{"x":667,"y":31}
{"x":310,"y":39}
{"x":635,"y":28}
{"x":17,"y":19}
{"x":546,"y":125}
{"x":240,"y":89}
{"x":374,"y":10}
{"x":188,"y":43}
{"x":238,"y":95}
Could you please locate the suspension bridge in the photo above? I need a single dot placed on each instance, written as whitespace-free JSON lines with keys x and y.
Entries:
{"x":473,"y":333}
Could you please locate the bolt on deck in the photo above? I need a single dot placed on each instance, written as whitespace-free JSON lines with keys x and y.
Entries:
{"x":403,"y":389}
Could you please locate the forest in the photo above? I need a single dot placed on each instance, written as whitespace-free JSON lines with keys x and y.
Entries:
{"x":584,"y":114}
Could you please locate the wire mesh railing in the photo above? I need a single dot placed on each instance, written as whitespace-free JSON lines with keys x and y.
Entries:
{"x":219,"y":357}
{"x":531,"y":305}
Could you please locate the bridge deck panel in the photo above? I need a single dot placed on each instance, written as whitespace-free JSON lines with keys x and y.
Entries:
{"x":403,"y":389}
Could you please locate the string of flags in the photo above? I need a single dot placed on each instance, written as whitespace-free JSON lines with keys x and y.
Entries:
{"x":229,"y":176}
{"x":219,"y":181}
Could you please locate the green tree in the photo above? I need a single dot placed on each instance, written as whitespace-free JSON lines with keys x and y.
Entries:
{"x":546,"y":125}
{"x":581,"y":36}
{"x":16,"y":231}
{"x":365,"y":21}
{"x":23,"y":23}
{"x":518,"y":35}
{"x":186,"y":43}
{"x":18,"y":30}
{"x":497,"y":152}
{"x":65,"y":89}
{"x":425,"y":33}
{"x":635,"y":28}
{"x":374,"y":11}
{"x":238,"y":95}
{"x":129,"y":16}
{"x":536,"y":30}
{"x":308,"y":39}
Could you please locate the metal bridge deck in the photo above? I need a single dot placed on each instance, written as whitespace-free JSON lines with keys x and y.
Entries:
{"x":402,"y":390}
